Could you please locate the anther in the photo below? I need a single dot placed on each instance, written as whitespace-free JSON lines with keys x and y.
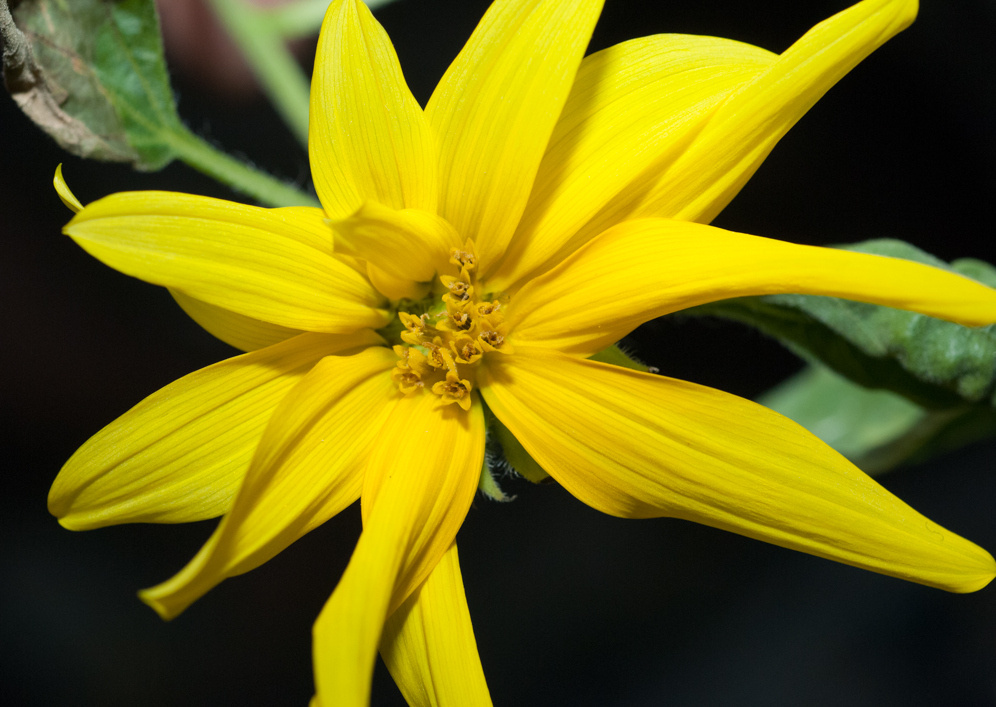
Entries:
{"x":467,"y":350}
{"x":487,"y":308}
{"x":454,"y":390}
{"x":492,"y":340}
{"x":461,"y":320}
{"x":409,"y":369}
{"x":408,"y":381}
{"x":464,"y":258}
{"x":459,"y":290}
{"x":440,"y":358}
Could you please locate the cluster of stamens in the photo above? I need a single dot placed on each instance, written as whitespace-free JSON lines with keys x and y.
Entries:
{"x":446,"y":343}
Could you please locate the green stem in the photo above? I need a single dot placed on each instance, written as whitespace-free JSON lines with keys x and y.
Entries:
{"x":302,"y":18}
{"x":241,"y":177}
{"x":298,"y":19}
{"x":276,"y":68}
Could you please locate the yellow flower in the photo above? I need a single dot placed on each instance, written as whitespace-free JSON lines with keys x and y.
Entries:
{"x":476,"y":254}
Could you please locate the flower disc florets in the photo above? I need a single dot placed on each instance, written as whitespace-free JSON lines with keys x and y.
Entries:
{"x":445,"y":337}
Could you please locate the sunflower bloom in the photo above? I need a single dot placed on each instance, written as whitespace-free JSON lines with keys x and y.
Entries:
{"x":476,"y":254}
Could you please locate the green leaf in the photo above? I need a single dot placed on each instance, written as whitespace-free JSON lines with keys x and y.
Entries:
{"x":934,"y":363}
{"x":875,"y":429}
{"x":851,"y":419}
{"x":91,"y":74}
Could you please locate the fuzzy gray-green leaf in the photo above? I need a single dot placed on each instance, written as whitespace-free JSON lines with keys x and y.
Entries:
{"x":91,"y":74}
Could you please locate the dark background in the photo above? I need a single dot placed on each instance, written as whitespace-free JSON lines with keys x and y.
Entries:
{"x":570,"y":607}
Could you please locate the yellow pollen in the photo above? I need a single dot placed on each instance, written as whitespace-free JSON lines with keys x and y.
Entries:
{"x":443,"y":345}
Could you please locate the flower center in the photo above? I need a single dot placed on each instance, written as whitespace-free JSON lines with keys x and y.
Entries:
{"x":445,"y":341}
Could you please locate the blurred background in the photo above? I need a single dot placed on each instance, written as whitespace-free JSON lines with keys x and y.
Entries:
{"x":569,"y":606}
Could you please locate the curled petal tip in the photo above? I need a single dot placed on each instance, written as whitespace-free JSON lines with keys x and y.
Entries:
{"x":62,"y":189}
{"x":70,"y":522}
{"x":67,"y":511}
{"x":148,"y":597}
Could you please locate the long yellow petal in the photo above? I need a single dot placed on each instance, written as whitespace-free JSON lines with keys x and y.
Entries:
{"x":418,"y":486}
{"x":636,"y":445}
{"x":307,"y":468}
{"x":252,"y":261}
{"x":742,"y":132}
{"x":236,"y":330}
{"x":181,"y":454}
{"x":311,"y":222}
{"x":368,"y":139}
{"x":429,"y":647}
{"x":311,"y":226}
{"x":646,"y":268}
{"x":633,"y":110}
{"x":247,"y":333}
{"x":495,"y":108}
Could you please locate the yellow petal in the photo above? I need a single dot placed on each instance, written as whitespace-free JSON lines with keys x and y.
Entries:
{"x":311,"y":226}
{"x":741,"y":132}
{"x":636,"y":445}
{"x":236,"y":330}
{"x":428,"y":643}
{"x":253,"y":261}
{"x":495,"y":108}
{"x":67,"y":196}
{"x":368,"y":139}
{"x":307,"y":468}
{"x":418,"y":486}
{"x":643,"y":269}
{"x":422,"y":435}
{"x":180,"y":454}
{"x":406,"y":244}
{"x":633,"y":110}
{"x":396,"y":288}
